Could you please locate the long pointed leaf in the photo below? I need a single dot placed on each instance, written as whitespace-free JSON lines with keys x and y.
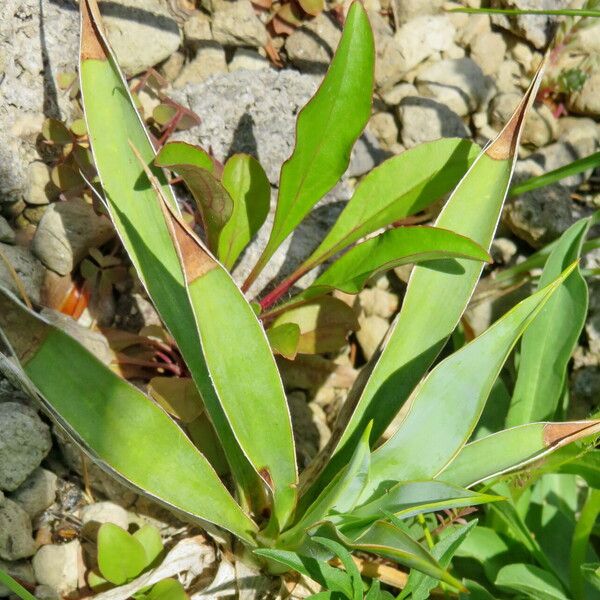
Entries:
{"x":115,"y":128}
{"x":115,"y":423}
{"x":548,"y":343}
{"x":422,"y":328}
{"x":327,"y":128}
{"x":513,"y":449}
{"x":444,"y":409}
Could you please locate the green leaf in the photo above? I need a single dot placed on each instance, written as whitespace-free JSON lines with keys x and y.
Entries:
{"x":178,"y":396}
{"x":586,"y":466}
{"x":388,"y":541}
{"x":167,"y":589}
{"x":116,"y":424}
{"x":318,"y":570}
{"x":56,"y":132}
{"x":327,"y":128}
{"x":15,"y":587}
{"x":120,"y":556}
{"x":340,"y":496}
{"x":547,"y":345}
{"x":463,"y":381}
{"x":284,"y":339}
{"x":249,"y":188}
{"x":391,"y":249}
{"x":435,"y":299}
{"x":149,"y":537}
{"x":530,"y":580}
{"x":573,"y":168}
{"x":591,"y":572}
{"x":116,"y":132}
{"x":401,"y":186}
{"x":565,"y":12}
{"x":513,"y":449}
{"x":250,"y":391}
{"x":419,"y":585}
{"x":346,"y":559}
{"x":324,"y":324}
{"x":196,"y":168}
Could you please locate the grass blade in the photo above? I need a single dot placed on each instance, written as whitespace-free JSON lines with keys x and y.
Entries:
{"x":327,"y":128}
{"x":547,"y":345}
{"x":117,"y":425}
{"x":15,"y":587}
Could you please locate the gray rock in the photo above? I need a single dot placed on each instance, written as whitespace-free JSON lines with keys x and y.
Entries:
{"x":405,"y":10}
{"x":38,"y":40}
{"x":383,"y":125}
{"x":105,"y":512}
{"x":209,"y":60}
{"x":236,"y":24}
{"x":196,"y":29}
{"x":537,"y":29}
{"x":311,"y":47}
{"x":7,"y":235}
{"x":245,"y":59}
{"x":16,"y":539}
{"x":39,"y":186}
{"x":488,"y":51}
{"x":587,"y":100}
{"x":458,"y":83}
{"x":66,"y":232}
{"x":24,"y":442}
{"x":29,"y":269}
{"x":45,"y":592}
{"x":423,"y":120}
{"x":58,"y":566}
{"x":366,"y":155}
{"x":37,"y":492}
{"x":413,"y":43}
{"x":131,"y":24}
{"x":20,"y":570}
{"x":542,"y":215}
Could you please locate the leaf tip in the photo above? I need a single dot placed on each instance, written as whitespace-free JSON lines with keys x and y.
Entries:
{"x":561,"y":434}
{"x":92,"y":42}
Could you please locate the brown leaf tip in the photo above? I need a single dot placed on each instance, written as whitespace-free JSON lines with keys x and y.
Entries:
{"x":561,"y":434}
{"x":92,"y":45}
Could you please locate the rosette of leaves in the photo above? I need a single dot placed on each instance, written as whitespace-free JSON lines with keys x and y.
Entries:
{"x":359,"y":495}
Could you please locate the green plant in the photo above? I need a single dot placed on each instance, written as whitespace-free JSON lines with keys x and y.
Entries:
{"x":357,"y":495}
{"x":123,"y":556}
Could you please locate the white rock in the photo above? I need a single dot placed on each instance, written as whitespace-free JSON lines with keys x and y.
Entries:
{"x":37,"y":492}
{"x":105,"y":512}
{"x":141,"y":32}
{"x":587,"y":100}
{"x":414,"y":42}
{"x":523,"y":54}
{"x":508,"y":77}
{"x":66,"y":232}
{"x":236,"y":24}
{"x":209,"y":60}
{"x":24,"y":442}
{"x":474,"y":27}
{"x":376,"y":301}
{"x":405,"y":10}
{"x":372,"y":331}
{"x":423,"y":120}
{"x":383,"y":125}
{"x":57,"y":566}
{"x":459,"y":84}
{"x":247,"y":60}
{"x":488,"y":51}
{"x":394,"y":96}
{"x":16,"y":539}
{"x":7,"y":235}
{"x":196,"y":28}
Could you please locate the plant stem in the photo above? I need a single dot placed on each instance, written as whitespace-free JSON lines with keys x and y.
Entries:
{"x":579,"y":545}
{"x":567,"y":12}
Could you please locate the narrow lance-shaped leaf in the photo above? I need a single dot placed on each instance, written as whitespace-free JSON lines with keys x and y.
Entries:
{"x":114,"y":129}
{"x":532,"y":581}
{"x":250,"y":391}
{"x":513,"y":449}
{"x":443,"y":411}
{"x":437,"y":295}
{"x":197,"y":170}
{"x":547,"y":345}
{"x":119,"y":427}
{"x":250,"y":190}
{"x":326,"y":130}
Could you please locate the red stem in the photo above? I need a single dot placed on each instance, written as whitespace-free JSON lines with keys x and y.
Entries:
{"x":281,"y":289}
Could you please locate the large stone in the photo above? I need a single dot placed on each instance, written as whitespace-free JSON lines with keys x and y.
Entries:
{"x":587,"y":100}
{"x":141,"y":32}
{"x":209,"y":60}
{"x":105,"y":512}
{"x":458,"y":83}
{"x":38,"y":40}
{"x":16,"y":539}
{"x":311,"y":47}
{"x":423,"y":120}
{"x":57,"y":566}
{"x":255,"y":112}
{"x":371,"y":333}
{"x":537,"y":29}
{"x":236,"y":24}
{"x":245,"y":59}
{"x":66,"y":232}
{"x":37,"y":492}
{"x":405,"y":10}
{"x":24,"y":442}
